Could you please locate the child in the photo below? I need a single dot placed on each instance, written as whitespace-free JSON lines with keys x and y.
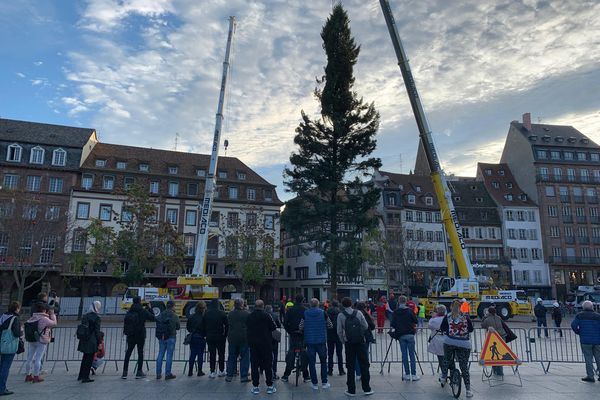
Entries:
{"x":99,"y":356}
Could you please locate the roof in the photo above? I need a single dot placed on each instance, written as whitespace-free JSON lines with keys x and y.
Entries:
{"x":473,"y":203}
{"x":419,"y":185}
{"x":38,"y":133}
{"x":502,"y":186}
{"x":554,"y":135}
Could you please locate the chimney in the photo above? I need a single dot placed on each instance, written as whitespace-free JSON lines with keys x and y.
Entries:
{"x":527,"y":121}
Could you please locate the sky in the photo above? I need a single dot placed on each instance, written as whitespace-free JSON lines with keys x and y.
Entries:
{"x":148,"y":72}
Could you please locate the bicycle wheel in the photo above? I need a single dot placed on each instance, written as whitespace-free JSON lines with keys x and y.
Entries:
{"x":455,"y":382}
{"x":298,"y":368}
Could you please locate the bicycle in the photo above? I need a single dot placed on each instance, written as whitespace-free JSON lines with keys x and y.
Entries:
{"x":298,"y":364}
{"x":454,"y":378}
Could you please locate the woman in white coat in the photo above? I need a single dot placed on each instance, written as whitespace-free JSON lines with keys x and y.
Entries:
{"x":436,"y":337}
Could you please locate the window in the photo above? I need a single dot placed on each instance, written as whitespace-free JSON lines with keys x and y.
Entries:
{"x":430,"y":255}
{"x":570,"y":174}
{"x":420,"y":235}
{"x":391,"y":199}
{"x":188,"y":244}
{"x":87,"y":180}
{"x":429,"y":201}
{"x":47,"y":250}
{"x":429,"y":236}
{"x":550,"y":191}
{"x":439,"y":255}
{"x":511,"y":234}
{"x":173,"y":189}
{"x":190,"y":217}
{"x":438,"y":216}
{"x":211,"y":269}
{"x":192,"y":189}
{"x":427,"y":216}
{"x":33,"y":183}
{"x":552,"y":211}
{"x":410,"y":234}
{"x":83,"y":210}
{"x":143,"y":167}
{"x":488,"y":172}
{"x":121,"y":165}
{"x":10,"y":181}
{"x":525,"y":276}
{"x":535,"y":254}
{"x":154,"y":187}
{"x":59,"y":157}
{"x":100,"y":163}
{"x":581,"y":156}
{"x":108,"y":182}
{"x":79,"y":241}
{"x":128,"y":182}
{"x":201,"y":172}
{"x":241,"y":175}
{"x":532,"y":234}
{"x":594,"y":157}
{"x":231,"y":247}
{"x":173,"y":170}
{"x":269,"y":221}
{"x":37,"y":155}
{"x":531,"y":215}
{"x":524,"y":254}
{"x":438,"y":236}
{"x":556,"y":251}
{"x":13,"y":153}
{"x":495,"y":185}
{"x":268,"y":195}
{"x":233,"y":219}
{"x":492,"y":233}
{"x":541,"y":154}
{"x":419,"y":216}
{"x":568,"y":155}
{"x":30,"y":212}
{"x":105,"y":212}
{"x":411,"y":199}
{"x":555,"y":155}
{"x":222,"y":174}
{"x":509,"y":215}
{"x":215,"y":218}
{"x":421,"y":255}
{"x":479,"y":233}
{"x":251,"y":194}
{"x":465,"y":233}
{"x":251,"y":219}
{"x":233,"y":192}
{"x":52,"y":213}
{"x":55,"y":185}
{"x":585,"y":175}
{"x":172,"y":216}
{"x":126,"y":215}
{"x":408,"y":215}
{"x":544,"y":173}
{"x":566,"y":211}
{"x":513,"y":253}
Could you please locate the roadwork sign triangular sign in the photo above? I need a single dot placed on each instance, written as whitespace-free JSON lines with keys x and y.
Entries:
{"x":495,"y":352}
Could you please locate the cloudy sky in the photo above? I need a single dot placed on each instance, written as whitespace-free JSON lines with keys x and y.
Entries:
{"x":142,"y":71}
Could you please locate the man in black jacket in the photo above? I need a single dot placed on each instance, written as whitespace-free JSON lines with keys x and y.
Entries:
{"x":137,"y":337}
{"x":334,"y":344}
{"x":238,"y":344}
{"x":260,"y":327}
{"x":540,"y":315}
{"x":216,"y":327}
{"x":404,"y":324}
{"x":293,"y":316}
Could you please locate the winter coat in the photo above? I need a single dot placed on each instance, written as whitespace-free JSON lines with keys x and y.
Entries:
{"x":494,"y":321}
{"x":557,"y":315}
{"x":143,"y":315}
{"x":238,"y":333}
{"x":17,"y":329}
{"x":341,"y":323}
{"x":333,"y":313}
{"x":45,"y":324}
{"x":90,"y":344}
{"x":293,"y":316}
{"x":277,"y":325}
{"x":260,"y":326}
{"x":587,"y":325}
{"x":194,"y":325}
{"x":314,"y":325}
{"x":540,"y":311}
{"x":215,"y":323}
{"x":436,"y":342}
{"x":457,"y":330}
{"x":404,"y":321}
{"x":173,"y":320}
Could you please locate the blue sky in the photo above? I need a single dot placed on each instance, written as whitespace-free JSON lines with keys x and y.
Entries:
{"x":140,"y":71}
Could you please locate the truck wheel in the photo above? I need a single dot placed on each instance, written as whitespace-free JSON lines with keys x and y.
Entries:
{"x":190,"y":309}
{"x":157,"y":308}
{"x":504,"y":312}
{"x":482,"y":310}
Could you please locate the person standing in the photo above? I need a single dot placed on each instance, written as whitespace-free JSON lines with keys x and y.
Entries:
{"x":282,"y":309}
{"x":260,"y":334}
{"x":404,"y":323}
{"x":198,"y":338}
{"x":134,"y":328}
{"x":314,"y":325}
{"x":369,"y":338}
{"x":557,"y":317}
{"x":293,"y":316}
{"x":381,"y":312}
{"x":457,"y":328}
{"x":275,"y":339}
{"x":586,"y":324}
{"x":493,"y":323}
{"x":38,"y":334}
{"x":465,"y":308}
{"x":436,"y":337}
{"x":351,"y":327}
{"x":10,"y":329}
{"x":392,"y":304}
{"x":216,"y":327}
{"x":88,"y":343}
{"x":540,"y":315}
{"x":167,"y":325}
{"x":334,"y":344}
{"x":421,"y":315}
{"x":238,"y":342}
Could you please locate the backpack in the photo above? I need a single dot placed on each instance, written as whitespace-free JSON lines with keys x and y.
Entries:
{"x":83,"y":329}
{"x":131,"y":323}
{"x":32,"y":333}
{"x":9,"y":343}
{"x":458,"y":328}
{"x":353,"y":328}
{"x":163,"y":326}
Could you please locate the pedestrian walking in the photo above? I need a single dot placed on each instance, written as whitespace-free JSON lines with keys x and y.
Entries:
{"x":10,"y":336}
{"x":314,"y":325}
{"x":435,"y":343}
{"x":167,"y":325}
{"x":586,"y":324}
{"x":351,"y":327}
{"x":381,"y":312}
{"x":88,"y":333}
{"x":197,"y":338}
{"x":238,"y":342}
{"x":134,"y":328}
{"x":276,"y":338}
{"x":38,"y":334}
{"x":369,"y":338}
{"x":540,"y":315}
{"x":421,"y":315}
{"x":493,"y":323}
{"x":216,"y":327}
{"x":557,"y":316}
{"x":260,"y":334}
{"x":457,"y":328}
{"x":293,"y":316}
{"x":334,"y":344}
{"x":404,"y":322}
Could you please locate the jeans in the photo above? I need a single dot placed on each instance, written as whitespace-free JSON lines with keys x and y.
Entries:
{"x":591,"y":352}
{"x":312,"y":350}
{"x":357,"y":351}
{"x":168,"y":346}
{"x":5,"y":363}
{"x":335,"y":346}
{"x":261,"y":357}
{"x":197,"y":346}
{"x":544,"y":323}
{"x":236,"y":351}
{"x":34,"y":358}
{"x":453,"y":353}
{"x":214,"y":347}
{"x":407,"y":345}
{"x":132,"y":343}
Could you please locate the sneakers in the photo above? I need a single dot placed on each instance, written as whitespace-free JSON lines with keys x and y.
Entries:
{"x":326,"y":385}
{"x":271,"y":390}
{"x":200,"y":373}
{"x":442,"y":381}
{"x":588,"y":379}
{"x":169,"y":377}
{"x":414,"y":378}
{"x":284,"y":378}
{"x":406,"y":377}
{"x":37,"y":379}
{"x":139,"y":375}
{"x":222,"y":374}
{"x":124,"y":376}
{"x":6,"y":393}
{"x":246,"y":380}
{"x":315,"y":387}
{"x":212,"y":375}
{"x":347,"y":393}
{"x":306,"y":380}
{"x":255,"y":390}
{"x":88,"y":380}
{"x":369,"y":392}
{"x":159,"y":376}
{"x":228,"y":378}
{"x":275,"y":377}
{"x":29,"y":378}
{"x":469,"y":393}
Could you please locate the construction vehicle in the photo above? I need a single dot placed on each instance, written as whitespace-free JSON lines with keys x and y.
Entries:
{"x":461,"y":281}
{"x":189,"y":289}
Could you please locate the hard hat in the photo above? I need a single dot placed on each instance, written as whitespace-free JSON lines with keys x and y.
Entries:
{"x":556,"y":304}
{"x":539,"y":300}
{"x":370,"y":299}
{"x":464,"y":300}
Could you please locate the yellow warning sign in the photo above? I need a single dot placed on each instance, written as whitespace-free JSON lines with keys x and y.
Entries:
{"x":495,"y":352}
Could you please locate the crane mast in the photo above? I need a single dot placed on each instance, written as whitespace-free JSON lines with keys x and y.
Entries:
{"x":449,"y":216}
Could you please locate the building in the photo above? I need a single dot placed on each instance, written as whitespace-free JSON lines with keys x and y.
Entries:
{"x":521,"y":229}
{"x":40,"y":166}
{"x":175,"y":183}
{"x":558,"y":167}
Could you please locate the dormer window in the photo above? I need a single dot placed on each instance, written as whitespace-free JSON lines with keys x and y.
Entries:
{"x":533,"y":138}
{"x":241,"y":175}
{"x":508,"y":197}
{"x":144,"y":167}
{"x":59,"y":157}
{"x":568,"y":155}
{"x":488,"y":171}
{"x":456,"y":198}
{"x":581,"y":156}
{"x":411,"y":199}
{"x":501,"y":172}
{"x":479,"y":199}
{"x":546,"y":138}
{"x":121,"y":165}
{"x":173,"y":170}
{"x":418,"y":189}
{"x":571,"y":140}
{"x":429,"y":201}
{"x":509,"y":185}
{"x":14,"y":152}
{"x":222,"y":174}
{"x":37,"y":155}
{"x":100,"y":163}
{"x":523,"y":197}
{"x":495,"y":185}
{"x":201,"y":172}
{"x":268,"y":195}
{"x":584,"y":141}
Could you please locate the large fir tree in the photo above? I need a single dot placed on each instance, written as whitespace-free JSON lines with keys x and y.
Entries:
{"x":333,"y":207}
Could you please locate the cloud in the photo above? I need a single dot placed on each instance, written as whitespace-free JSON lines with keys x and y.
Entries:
{"x":21,"y":75}
{"x":37,"y":82}
{"x":38,"y":63}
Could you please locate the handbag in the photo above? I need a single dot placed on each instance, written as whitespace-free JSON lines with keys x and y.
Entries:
{"x":276,"y":335}
{"x":510,"y":335}
{"x":21,"y":348}
{"x":9,"y":343}
{"x":188,"y":339}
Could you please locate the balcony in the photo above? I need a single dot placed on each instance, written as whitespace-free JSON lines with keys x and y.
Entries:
{"x":570,"y":239}
{"x":567,"y":219}
{"x":595,"y":220}
{"x":596,"y":240}
{"x":592,"y":200}
{"x":581,"y":219}
{"x":574,"y":260}
{"x":583,"y":240}
{"x":578,"y":199}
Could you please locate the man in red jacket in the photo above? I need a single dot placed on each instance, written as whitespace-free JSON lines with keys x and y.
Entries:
{"x":381,"y":310}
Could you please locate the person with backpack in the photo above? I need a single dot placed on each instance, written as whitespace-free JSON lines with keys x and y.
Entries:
{"x":334,"y":344}
{"x":293,"y":316}
{"x":314,"y":326}
{"x":369,"y":338}
{"x":276,"y":338}
{"x":197,"y":338}
{"x":134,"y":328}
{"x":238,"y":343}
{"x":88,"y":333}
{"x":167,"y":325}
{"x":10,"y":335}
{"x":259,"y":335}
{"x":351,"y":327}
{"x":404,"y":324}
{"x":38,"y":334}
{"x":457,"y":328}
{"x":216,"y":326}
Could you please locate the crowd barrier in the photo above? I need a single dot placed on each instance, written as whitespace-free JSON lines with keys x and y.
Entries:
{"x":527,"y":346}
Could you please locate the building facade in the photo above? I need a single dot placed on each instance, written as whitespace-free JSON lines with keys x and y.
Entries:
{"x":559,"y":168}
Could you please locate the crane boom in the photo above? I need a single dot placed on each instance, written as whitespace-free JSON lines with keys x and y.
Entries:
{"x":449,"y":216}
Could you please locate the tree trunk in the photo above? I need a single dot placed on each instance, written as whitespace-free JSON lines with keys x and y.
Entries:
{"x":81,"y":297}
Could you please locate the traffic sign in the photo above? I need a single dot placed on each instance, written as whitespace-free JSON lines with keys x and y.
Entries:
{"x":495,"y":352}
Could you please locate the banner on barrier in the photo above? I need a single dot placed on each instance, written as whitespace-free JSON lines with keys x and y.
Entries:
{"x":495,"y":352}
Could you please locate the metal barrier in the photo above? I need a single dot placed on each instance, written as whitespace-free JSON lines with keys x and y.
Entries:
{"x":558,"y":345}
